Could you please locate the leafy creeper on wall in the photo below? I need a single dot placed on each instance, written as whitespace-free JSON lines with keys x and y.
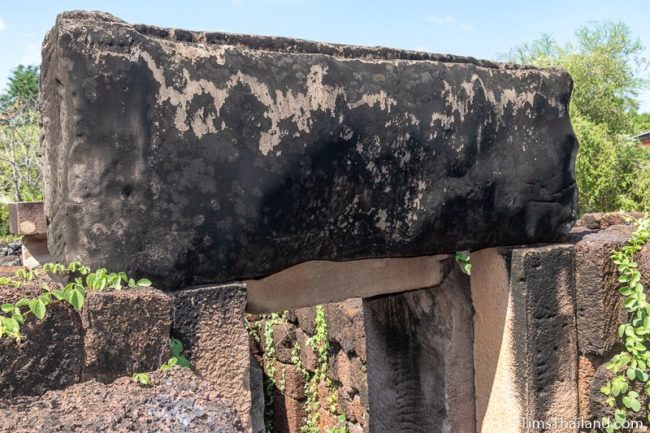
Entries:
{"x":630,"y":366}
{"x":177,"y":359}
{"x":73,"y":293}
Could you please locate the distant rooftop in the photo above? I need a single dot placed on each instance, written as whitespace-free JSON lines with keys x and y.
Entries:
{"x":644,"y":138}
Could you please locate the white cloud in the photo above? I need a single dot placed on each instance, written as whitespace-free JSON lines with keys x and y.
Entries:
{"x":31,"y":55}
{"x":439,"y":20}
{"x":3,"y":25}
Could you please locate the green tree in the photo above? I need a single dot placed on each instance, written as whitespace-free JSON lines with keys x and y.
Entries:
{"x":20,"y":148}
{"x":23,"y":87}
{"x":641,"y":122}
{"x":607,"y":67}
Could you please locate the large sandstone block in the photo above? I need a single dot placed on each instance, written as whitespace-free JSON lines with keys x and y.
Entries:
{"x":125,"y":331}
{"x":51,"y":354}
{"x":599,"y":305}
{"x":525,"y":348}
{"x":420,"y":365}
{"x":233,"y":157}
{"x":116,"y":334}
{"x":209,"y":320}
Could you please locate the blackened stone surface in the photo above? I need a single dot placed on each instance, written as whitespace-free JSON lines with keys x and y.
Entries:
{"x":204,"y":157}
{"x":525,"y":340}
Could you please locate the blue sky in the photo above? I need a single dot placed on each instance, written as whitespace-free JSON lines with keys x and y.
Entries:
{"x":482,"y":29}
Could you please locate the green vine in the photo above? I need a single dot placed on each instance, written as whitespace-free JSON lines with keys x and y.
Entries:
{"x":630,"y":366}
{"x":266,"y":338}
{"x":464,"y":261}
{"x":13,"y":315}
{"x":74,"y":293}
{"x":319,"y":344}
{"x":176,"y":359}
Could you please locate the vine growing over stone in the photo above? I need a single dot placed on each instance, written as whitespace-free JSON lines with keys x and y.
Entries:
{"x":74,"y":293}
{"x":630,"y":366}
{"x":319,"y":344}
{"x":176,"y":359}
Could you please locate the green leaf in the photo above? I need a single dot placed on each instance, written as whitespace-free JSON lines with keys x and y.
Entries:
{"x":37,"y":306}
{"x":76,"y":299}
{"x":142,"y":379}
{"x":630,"y":303}
{"x":11,"y":324}
{"x":8,"y":308}
{"x":625,"y":290}
{"x":46,"y":297}
{"x":143,"y":282}
{"x":18,"y":315}
{"x":181,"y":361}
{"x":59,"y":294}
{"x":24,"y":302}
{"x":175,"y":346}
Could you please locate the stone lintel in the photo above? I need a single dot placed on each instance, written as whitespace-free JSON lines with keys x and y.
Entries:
{"x":241,"y":156}
{"x":324,"y":282}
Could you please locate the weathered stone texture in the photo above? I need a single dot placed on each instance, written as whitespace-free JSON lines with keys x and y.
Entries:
{"x":27,"y":218}
{"x":211,"y":157}
{"x":125,"y":331}
{"x":178,"y":402}
{"x":598,"y":303}
{"x":420,"y":364}
{"x":587,"y":366}
{"x":34,"y":252}
{"x":603,"y":220}
{"x":51,"y":354}
{"x":257,"y":396}
{"x":116,"y":334}
{"x":209,"y":320}
{"x":525,"y":343}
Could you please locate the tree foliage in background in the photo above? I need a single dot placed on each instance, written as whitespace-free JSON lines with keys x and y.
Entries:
{"x":20,"y":148}
{"x":23,"y":87}
{"x":607,"y":67}
{"x":641,"y":122}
